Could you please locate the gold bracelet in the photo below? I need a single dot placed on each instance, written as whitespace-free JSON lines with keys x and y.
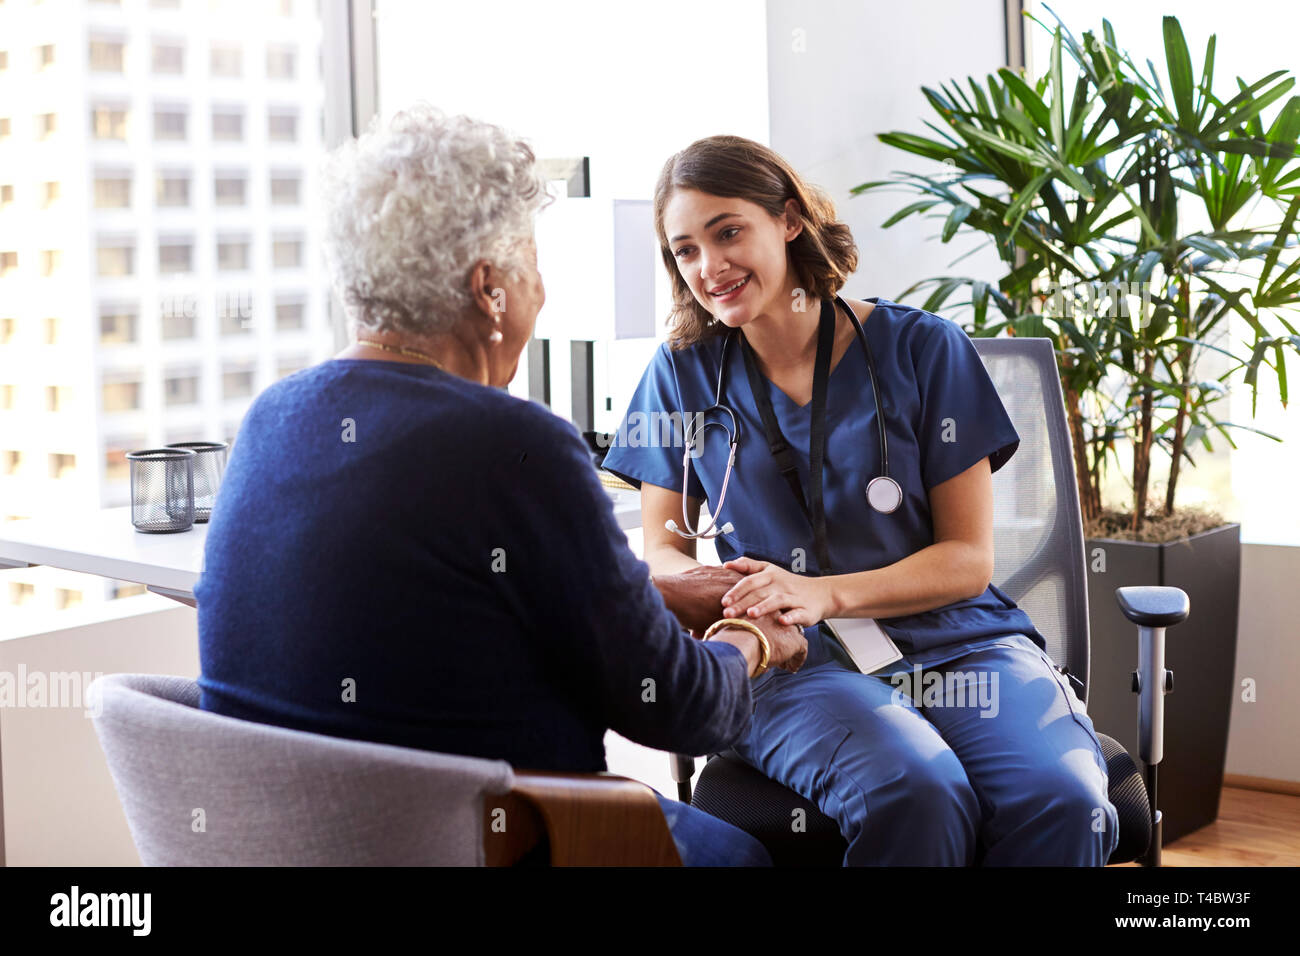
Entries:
{"x":765,"y":656}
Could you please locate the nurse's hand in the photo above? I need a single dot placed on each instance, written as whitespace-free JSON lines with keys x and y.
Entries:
{"x":768,"y":588}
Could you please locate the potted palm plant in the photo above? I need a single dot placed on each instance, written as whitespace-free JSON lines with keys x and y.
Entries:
{"x":1133,"y":217}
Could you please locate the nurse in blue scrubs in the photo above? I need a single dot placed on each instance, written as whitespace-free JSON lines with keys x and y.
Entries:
{"x":1007,"y":772}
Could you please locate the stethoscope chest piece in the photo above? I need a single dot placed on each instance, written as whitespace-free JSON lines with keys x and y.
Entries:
{"x":884,"y":494}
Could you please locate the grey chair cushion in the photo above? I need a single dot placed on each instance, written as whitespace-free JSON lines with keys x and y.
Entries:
{"x":201,"y":789}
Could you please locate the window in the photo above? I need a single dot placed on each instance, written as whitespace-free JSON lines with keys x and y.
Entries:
{"x":47,"y":124}
{"x":169,"y":123}
{"x":228,"y":189}
{"x":44,"y":56}
{"x":112,"y":191}
{"x":168,"y":58}
{"x":7,"y":400}
{"x":282,"y":126}
{"x":115,"y":258}
{"x":116,"y":465}
{"x":121,"y":396}
{"x":65,"y":598}
{"x":62,"y":465}
{"x":232,"y":254}
{"x":8,"y":263}
{"x":12,"y":462}
{"x":4,"y":59}
{"x":236,"y":380}
{"x":8,"y":330}
{"x":287,"y":365}
{"x":58,"y":398}
{"x":178,"y":314}
{"x":49,"y":194}
{"x":51,"y":330}
{"x":108,"y":122}
{"x":280,"y":63}
{"x":289,"y":313}
{"x":50,"y":261}
{"x":181,"y":387}
{"x":6,"y":195}
{"x":173,"y":189}
{"x":21,"y":592}
{"x":123,"y":589}
{"x":4,"y":127}
{"x":236,"y":313}
{"x":226,"y":60}
{"x":117,"y":324}
{"x":286,"y":253}
{"x":106,"y":56}
{"x":228,"y":124}
{"x":175,"y":256}
{"x":284,"y":189}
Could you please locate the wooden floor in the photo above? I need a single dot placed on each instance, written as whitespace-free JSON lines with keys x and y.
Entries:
{"x":1254,"y":828}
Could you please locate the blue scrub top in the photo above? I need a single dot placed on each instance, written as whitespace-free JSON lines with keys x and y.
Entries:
{"x":942,"y":415}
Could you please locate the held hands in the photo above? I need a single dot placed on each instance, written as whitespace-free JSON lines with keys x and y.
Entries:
{"x":768,"y":588}
{"x":693,"y":596}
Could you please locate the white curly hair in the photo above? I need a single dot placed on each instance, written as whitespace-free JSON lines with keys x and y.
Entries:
{"x":410,"y":207}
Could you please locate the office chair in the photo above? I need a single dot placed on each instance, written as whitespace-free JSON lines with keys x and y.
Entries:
{"x":202,"y":789}
{"x":1039,"y":564}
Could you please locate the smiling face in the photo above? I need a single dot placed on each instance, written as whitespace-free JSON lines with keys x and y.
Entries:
{"x":720,"y":241}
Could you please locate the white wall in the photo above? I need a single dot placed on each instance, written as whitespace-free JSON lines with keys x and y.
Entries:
{"x":60,"y":805}
{"x":842,"y":71}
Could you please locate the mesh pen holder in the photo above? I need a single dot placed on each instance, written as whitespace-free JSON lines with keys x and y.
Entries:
{"x":209,"y":466}
{"x":162,"y":489}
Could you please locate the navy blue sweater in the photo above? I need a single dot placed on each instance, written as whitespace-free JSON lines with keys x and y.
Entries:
{"x":400,"y":555}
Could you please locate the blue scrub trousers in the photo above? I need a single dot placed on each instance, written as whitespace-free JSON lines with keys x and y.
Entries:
{"x":1000,"y":769}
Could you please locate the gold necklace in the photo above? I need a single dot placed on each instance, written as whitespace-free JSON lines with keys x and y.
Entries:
{"x":405,"y":351}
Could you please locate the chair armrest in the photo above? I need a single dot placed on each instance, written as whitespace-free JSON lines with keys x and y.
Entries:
{"x":1153,"y":606}
{"x":590,"y":819}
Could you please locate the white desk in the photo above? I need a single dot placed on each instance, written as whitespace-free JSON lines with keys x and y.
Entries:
{"x":104,"y":542}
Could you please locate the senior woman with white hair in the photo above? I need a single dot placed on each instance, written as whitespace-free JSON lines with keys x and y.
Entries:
{"x":401,"y":551}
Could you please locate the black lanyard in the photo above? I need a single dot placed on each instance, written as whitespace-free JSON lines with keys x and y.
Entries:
{"x":780,"y":448}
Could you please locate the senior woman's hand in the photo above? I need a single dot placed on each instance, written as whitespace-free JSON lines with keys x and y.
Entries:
{"x":695,"y":595}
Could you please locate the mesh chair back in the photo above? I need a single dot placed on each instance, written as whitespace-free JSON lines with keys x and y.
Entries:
{"x":201,"y":789}
{"x":1037,"y":530}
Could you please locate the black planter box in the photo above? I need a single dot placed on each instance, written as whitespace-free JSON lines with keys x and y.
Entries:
{"x":1201,"y":652}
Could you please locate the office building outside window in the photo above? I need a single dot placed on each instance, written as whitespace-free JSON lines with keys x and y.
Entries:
{"x":118,"y":247}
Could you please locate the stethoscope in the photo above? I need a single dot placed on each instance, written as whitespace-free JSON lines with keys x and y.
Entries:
{"x":883,"y":492}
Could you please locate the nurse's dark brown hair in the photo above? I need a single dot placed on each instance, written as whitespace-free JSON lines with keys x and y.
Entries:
{"x":822,"y":256}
